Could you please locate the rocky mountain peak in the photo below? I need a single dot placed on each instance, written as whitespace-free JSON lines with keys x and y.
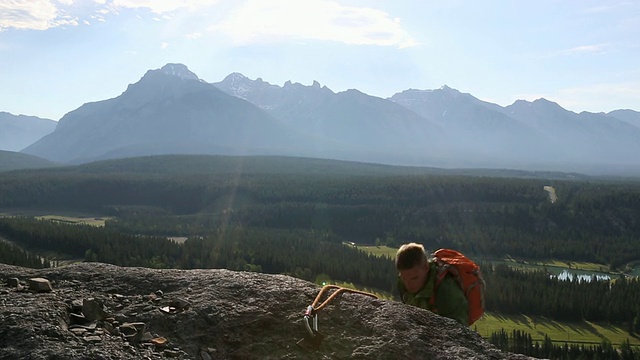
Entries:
{"x":539,"y":105}
{"x":521,"y":102}
{"x":542,"y":102}
{"x":96,"y":311}
{"x":234,"y":78}
{"x":179,"y":70}
{"x":297,"y":87}
{"x":417,"y":93}
{"x":450,"y":93}
{"x":437,"y":97}
{"x":239,"y":85}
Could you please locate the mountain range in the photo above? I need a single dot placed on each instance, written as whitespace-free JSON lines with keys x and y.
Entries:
{"x":20,"y":131}
{"x":170,"y":110}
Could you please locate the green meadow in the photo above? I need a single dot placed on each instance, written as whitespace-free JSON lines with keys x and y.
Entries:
{"x":93,"y":221}
{"x":584,"y":332}
{"x":70,"y":218}
{"x":378,"y":250}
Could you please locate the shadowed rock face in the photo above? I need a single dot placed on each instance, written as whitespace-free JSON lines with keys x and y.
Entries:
{"x":140,"y":313}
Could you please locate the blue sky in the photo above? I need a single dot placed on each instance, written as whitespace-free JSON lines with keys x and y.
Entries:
{"x":56,"y":55}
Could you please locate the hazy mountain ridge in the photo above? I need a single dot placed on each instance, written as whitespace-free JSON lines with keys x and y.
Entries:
{"x":171,"y":110}
{"x":364,"y":122}
{"x":20,"y":131}
{"x":475,"y":128}
{"x":160,"y":114}
{"x":474,"y":133}
{"x":597,"y":136}
{"x":196,"y":165}
{"x":10,"y":160}
{"x":630,"y":116}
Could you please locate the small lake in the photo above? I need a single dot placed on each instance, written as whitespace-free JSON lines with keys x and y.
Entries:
{"x":563,"y":273}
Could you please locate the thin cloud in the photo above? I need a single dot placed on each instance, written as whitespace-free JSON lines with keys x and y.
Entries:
{"x":34,"y":14}
{"x":164,"y":45}
{"x":260,"y":21}
{"x":586,"y":49}
{"x":46,"y":14}
{"x":161,"y":6}
{"x":254,"y":21}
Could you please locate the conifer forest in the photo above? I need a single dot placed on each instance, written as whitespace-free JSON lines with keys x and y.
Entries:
{"x":306,"y":219}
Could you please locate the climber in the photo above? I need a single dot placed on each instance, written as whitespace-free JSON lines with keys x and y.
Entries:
{"x":417,"y":282}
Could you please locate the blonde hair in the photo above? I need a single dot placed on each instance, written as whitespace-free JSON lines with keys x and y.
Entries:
{"x":410,"y":255}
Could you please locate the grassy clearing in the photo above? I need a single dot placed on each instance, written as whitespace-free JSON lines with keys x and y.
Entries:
{"x":378,"y":250}
{"x":560,"y":332}
{"x":69,"y":218}
{"x":586,"y":266}
{"x":93,"y":221}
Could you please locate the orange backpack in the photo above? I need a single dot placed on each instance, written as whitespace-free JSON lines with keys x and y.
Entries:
{"x":467,"y":274}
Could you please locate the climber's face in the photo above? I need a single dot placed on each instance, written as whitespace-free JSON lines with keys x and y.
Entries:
{"x":415,"y":277}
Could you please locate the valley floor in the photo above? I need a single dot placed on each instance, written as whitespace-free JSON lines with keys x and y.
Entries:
{"x":584,"y":332}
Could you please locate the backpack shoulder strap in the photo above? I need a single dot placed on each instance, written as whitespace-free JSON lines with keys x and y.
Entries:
{"x":442,"y":270}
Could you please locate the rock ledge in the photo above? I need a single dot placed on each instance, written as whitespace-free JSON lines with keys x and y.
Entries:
{"x":101,"y":311}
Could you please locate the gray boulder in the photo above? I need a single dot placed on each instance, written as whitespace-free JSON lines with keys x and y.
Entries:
{"x":39,"y":285}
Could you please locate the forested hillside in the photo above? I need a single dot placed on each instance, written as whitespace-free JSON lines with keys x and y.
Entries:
{"x":484,"y":216}
{"x":14,"y":255}
{"x":313,"y":255}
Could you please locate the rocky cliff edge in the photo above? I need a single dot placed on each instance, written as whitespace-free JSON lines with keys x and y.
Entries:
{"x":101,"y":311}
